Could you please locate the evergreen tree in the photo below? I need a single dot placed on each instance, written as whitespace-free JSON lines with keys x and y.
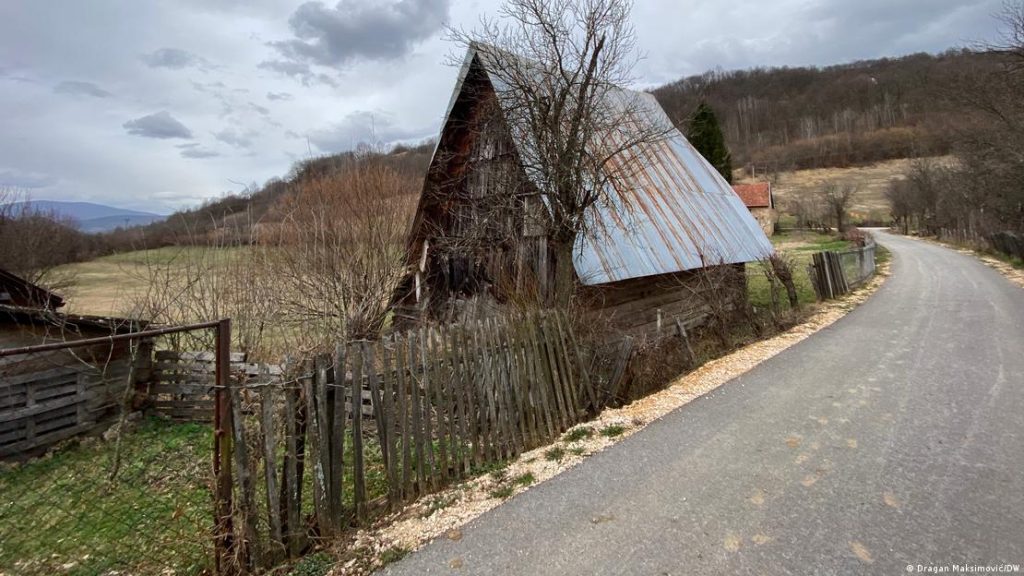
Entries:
{"x":706,"y":136}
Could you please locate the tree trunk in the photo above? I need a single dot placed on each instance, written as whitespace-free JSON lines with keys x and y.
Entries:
{"x":561,"y":293}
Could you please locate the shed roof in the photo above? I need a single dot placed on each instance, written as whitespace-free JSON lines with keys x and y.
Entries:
{"x":755,"y":194}
{"x":675,"y":213}
{"x":16,"y":291}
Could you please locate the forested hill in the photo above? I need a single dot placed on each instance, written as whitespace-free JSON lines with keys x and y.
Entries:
{"x":776,"y":118}
{"x":794,"y":118}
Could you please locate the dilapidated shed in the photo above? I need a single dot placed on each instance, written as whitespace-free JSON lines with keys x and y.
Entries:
{"x":671,"y":216}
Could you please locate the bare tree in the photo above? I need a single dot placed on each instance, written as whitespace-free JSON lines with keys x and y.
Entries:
{"x":560,"y":66}
{"x":837,"y":199}
{"x":34,"y":243}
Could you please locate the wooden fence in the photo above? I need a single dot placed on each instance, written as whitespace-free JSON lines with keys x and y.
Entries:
{"x":836,"y":273}
{"x":444,"y":404}
{"x":55,"y":396}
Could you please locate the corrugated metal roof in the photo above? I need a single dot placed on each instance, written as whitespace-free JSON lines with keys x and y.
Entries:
{"x":755,"y":194}
{"x":669,"y":209}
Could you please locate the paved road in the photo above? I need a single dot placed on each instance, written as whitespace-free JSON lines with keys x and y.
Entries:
{"x":894,"y":437}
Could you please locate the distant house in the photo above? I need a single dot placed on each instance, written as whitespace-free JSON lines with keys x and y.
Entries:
{"x":758,"y":198}
{"x":16,"y":291}
{"x":673,"y":216}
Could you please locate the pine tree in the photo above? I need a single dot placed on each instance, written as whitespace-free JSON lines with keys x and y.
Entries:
{"x":706,"y":136}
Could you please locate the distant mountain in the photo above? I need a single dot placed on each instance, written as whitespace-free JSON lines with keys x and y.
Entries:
{"x":90,"y":217}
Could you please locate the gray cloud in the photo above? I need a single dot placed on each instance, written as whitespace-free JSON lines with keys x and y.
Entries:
{"x":302,"y":72}
{"x":199,"y":153}
{"x":362,"y":126}
{"x":353,"y":30}
{"x":236,"y":138}
{"x":159,"y":125}
{"x":279,"y":96}
{"x":76,"y":88}
{"x":262,"y":110}
{"x":19,"y":179}
{"x":175,"y":59}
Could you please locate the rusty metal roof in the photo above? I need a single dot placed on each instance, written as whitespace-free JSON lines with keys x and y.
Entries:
{"x":669,"y":210}
{"x":755,"y":194}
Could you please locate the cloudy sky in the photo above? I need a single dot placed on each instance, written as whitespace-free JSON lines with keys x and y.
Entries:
{"x":160,"y":104}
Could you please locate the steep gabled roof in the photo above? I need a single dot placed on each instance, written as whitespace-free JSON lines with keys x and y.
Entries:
{"x":675,"y":213}
{"x":755,"y":195}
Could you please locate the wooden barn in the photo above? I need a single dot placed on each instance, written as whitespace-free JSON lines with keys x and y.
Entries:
{"x":665,"y":224}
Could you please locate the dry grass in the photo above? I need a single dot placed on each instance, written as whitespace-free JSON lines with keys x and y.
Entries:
{"x":871,"y":181}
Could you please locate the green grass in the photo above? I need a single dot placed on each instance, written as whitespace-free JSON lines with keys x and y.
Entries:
{"x":318,"y":564}
{"x":577,"y":434}
{"x":554,"y":454}
{"x":612,"y":430}
{"x":61,"y":514}
{"x":524,"y":479}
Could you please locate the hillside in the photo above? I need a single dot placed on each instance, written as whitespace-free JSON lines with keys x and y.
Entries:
{"x":775,"y":120}
{"x":859,"y":113}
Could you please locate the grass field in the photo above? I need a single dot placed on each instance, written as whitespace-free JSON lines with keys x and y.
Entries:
{"x":108,"y":285}
{"x":871,"y":181}
{"x":62,"y":513}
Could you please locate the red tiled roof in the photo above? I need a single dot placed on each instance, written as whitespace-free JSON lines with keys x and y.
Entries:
{"x":756,"y":195}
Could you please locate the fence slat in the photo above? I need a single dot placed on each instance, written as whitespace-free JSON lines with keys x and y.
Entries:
{"x":417,"y":414}
{"x":428,"y":428}
{"x":437,"y":388}
{"x":359,"y":480}
{"x":246,"y":506}
{"x":270,"y":475}
{"x":388,"y":387}
{"x":403,"y":416}
{"x":336,"y":422}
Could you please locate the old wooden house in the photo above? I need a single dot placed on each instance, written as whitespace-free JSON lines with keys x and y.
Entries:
{"x":667,"y":220}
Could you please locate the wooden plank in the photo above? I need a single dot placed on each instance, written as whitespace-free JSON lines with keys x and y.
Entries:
{"x":510,"y":381}
{"x":467,"y":386}
{"x":404,"y":409}
{"x":584,"y":375}
{"x":564,"y":408}
{"x":435,"y":359}
{"x":246,"y":505}
{"x":389,"y":422}
{"x":560,"y":355}
{"x":538,"y":382}
{"x":40,"y":408}
{"x":51,"y":374}
{"x":513,"y":443}
{"x":270,"y":475}
{"x":358,"y":464}
{"x":428,"y":428}
{"x":44,"y":439}
{"x":485,"y":403}
{"x":451,"y":410}
{"x":290,"y":478}
{"x":376,"y":399}
{"x":337,"y":414}
{"x":523,"y":378}
{"x":317,"y":414}
{"x":417,"y":417}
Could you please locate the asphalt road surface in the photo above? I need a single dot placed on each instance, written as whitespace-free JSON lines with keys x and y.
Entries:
{"x":893,"y":438}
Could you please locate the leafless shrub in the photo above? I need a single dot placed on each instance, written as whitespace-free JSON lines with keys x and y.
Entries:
{"x":837,"y":199}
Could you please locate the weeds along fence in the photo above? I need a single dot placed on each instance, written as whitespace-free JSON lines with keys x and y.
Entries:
{"x":436,"y":405}
{"x":834,"y":274}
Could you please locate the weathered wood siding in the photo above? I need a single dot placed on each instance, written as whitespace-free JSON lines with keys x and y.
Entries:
{"x":47,"y":398}
{"x":651,"y":306}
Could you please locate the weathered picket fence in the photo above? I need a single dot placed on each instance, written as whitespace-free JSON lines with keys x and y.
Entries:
{"x":444,"y":403}
{"x":836,"y":273}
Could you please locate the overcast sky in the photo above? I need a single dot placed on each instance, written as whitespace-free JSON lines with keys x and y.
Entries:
{"x":158,"y":105}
